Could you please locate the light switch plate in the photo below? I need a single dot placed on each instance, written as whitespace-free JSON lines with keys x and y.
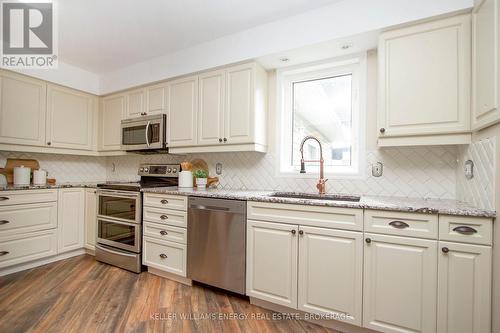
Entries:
{"x":218,"y":168}
{"x":377,"y":169}
{"x":469,"y":169}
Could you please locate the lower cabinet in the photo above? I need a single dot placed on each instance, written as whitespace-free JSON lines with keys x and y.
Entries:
{"x":71,"y":215}
{"x":400,"y":283}
{"x":90,"y":218}
{"x":312,"y":269}
{"x":164,"y":255}
{"x":464,"y":288}
{"x":26,"y":247}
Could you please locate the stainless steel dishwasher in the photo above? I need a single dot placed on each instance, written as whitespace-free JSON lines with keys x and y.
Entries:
{"x":217,"y":242}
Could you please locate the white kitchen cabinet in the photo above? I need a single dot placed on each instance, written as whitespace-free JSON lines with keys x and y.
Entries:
{"x":464,"y":289}
{"x":156,"y":99}
{"x":136,"y":105}
{"x":22,"y":109}
{"x":71,"y":219}
{"x":330,"y":279}
{"x":485,"y":63}
{"x":211,"y":108}
{"x":70,"y":118}
{"x":424,"y":83}
{"x":400,"y":284}
{"x":90,"y":218}
{"x":272,"y":250}
{"x":111,"y":113}
{"x":27,"y":247}
{"x":182,"y":112}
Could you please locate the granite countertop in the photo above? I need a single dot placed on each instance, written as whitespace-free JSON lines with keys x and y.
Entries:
{"x":10,"y":187}
{"x":415,"y":205}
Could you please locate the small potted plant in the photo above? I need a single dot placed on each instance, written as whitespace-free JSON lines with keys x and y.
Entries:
{"x":201,"y":178}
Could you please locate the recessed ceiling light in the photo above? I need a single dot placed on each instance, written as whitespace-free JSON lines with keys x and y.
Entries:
{"x":346,"y":46}
{"x":284,"y":59}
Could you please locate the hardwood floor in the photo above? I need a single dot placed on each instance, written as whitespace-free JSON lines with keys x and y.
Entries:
{"x":82,"y":295}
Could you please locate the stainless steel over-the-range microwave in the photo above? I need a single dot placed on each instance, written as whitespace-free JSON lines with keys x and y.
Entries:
{"x":144,"y":133}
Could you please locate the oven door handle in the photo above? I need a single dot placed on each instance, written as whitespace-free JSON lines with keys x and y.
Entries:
{"x":110,"y":220}
{"x":107,"y":249}
{"x":147,"y":133}
{"x":118,"y":194}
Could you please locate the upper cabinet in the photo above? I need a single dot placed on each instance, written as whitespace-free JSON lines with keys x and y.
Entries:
{"x":136,"y":105}
{"x":111,"y":112}
{"x":22,"y":109}
{"x":424,"y":90}
{"x":485,"y":64}
{"x":70,"y":118}
{"x":182,"y":112}
{"x":231,"y":113}
{"x":156,"y":99}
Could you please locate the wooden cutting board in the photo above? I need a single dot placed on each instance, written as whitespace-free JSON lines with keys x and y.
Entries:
{"x":198,"y":163}
{"x":8,"y":170}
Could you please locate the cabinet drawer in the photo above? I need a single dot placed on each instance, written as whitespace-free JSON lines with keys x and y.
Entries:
{"x":24,"y":218}
{"x":26,"y":196}
{"x":466,"y":229}
{"x":314,"y":216}
{"x":166,"y":232}
{"x":176,"y":218}
{"x":164,"y":255}
{"x":402,"y":224}
{"x":26,"y":247}
{"x":177,"y":202}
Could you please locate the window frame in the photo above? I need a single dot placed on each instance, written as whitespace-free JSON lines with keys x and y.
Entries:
{"x":285,"y":77}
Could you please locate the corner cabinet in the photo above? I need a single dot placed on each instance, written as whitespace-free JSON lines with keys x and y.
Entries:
{"x":424,"y":83}
{"x":112,"y":111}
{"x":71,"y":215}
{"x":485,"y":63}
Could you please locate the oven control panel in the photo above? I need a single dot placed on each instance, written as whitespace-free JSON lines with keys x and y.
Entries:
{"x":159,"y":170}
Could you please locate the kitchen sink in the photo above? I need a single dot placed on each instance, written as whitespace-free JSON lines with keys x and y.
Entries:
{"x":312,"y":196}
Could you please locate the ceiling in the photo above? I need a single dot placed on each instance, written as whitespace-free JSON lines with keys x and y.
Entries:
{"x":106,"y":35}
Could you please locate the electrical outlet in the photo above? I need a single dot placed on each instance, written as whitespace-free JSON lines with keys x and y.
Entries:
{"x":469,"y":169}
{"x":377,"y":169}
{"x":218,"y":168}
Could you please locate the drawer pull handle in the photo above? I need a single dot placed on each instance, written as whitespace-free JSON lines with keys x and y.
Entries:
{"x":464,"y":230}
{"x":368,"y":240}
{"x":399,"y":224}
{"x":3,"y":253}
{"x":445,"y":249}
{"x":164,"y":217}
{"x":164,"y":201}
{"x":3,"y":222}
{"x":4,"y":198}
{"x":163,"y":233}
{"x":163,"y":256}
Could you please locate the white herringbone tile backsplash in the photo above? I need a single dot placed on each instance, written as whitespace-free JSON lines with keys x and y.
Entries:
{"x":65,"y":168}
{"x":478,"y":191}
{"x":428,"y":172}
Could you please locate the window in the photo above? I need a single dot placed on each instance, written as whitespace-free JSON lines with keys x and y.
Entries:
{"x":321,"y":100}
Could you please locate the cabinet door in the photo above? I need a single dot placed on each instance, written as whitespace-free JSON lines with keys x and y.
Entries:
{"x":211,"y":110}
{"x":331,"y":273}
{"x":424,"y":78}
{"x":156,"y":99}
{"x":400,"y":284}
{"x":464,"y":289}
{"x":70,"y":219}
{"x":136,"y":105}
{"x":111,"y":114}
{"x":239,"y":111}
{"x":485,"y":67}
{"x":90,"y":218}
{"x":182,"y":112}
{"x":272,"y":262}
{"x":70,"y":118}
{"x":22,"y":110}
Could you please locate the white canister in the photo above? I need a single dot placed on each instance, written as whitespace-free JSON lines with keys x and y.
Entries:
{"x":39,"y":177}
{"x":186,"y":179}
{"x":22,"y":175}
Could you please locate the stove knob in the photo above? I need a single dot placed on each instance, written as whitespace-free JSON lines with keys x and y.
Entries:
{"x":174,"y":170}
{"x":141,"y":170}
{"x":169,"y":170}
{"x":146,"y":170}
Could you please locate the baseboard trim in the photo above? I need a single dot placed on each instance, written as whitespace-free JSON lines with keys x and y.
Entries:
{"x":170,"y":276}
{"x":40,"y":262}
{"x":328,"y":323}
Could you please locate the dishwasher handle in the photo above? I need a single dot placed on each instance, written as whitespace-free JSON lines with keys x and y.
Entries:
{"x":224,"y":209}
{"x":217,"y":205}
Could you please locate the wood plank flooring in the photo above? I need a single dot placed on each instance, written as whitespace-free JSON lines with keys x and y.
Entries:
{"x":82,"y":295}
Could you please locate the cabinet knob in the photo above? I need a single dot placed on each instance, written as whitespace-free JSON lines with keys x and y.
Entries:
{"x":368,"y":240}
{"x":163,"y":256}
{"x":164,"y":217}
{"x":225,"y":139}
{"x":301,"y":232}
{"x":293,"y":232}
{"x":220,"y":139}
{"x":382,"y":130}
{"x":164,"y":201}
{"x":3,"y":253}
{"x":445,"y":249}
{"x":163,"y":233}
{"x":49,"y":143}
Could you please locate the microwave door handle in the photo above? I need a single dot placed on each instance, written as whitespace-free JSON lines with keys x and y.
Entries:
{"x":147,"y":133}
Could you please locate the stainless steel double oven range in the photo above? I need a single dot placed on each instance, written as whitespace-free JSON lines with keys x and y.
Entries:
{"x":119,"y":215}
